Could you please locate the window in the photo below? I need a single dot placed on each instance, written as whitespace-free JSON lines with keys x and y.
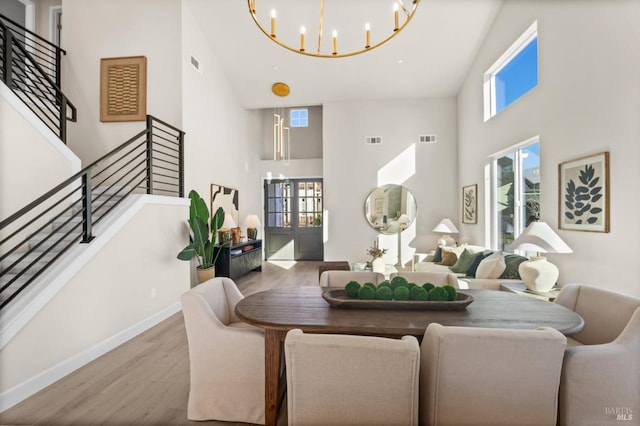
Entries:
{"x":513,"y":74}
{"x":515,"y":192}
{"x":299,"y":118}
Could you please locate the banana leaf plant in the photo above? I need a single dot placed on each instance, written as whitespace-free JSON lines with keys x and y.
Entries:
{"x":203,"y":233}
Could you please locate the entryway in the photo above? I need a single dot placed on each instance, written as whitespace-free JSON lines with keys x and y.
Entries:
{"x":293,"y":216}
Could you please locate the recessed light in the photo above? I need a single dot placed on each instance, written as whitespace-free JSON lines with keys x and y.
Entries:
{"x":400,"y":61}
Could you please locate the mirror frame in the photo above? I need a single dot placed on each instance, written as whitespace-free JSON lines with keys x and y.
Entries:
{"x":376,"y":204}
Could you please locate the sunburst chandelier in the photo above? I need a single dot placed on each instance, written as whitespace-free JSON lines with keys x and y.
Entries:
{"x":396,"y":17}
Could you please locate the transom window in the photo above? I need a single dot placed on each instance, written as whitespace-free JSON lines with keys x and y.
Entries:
{"x":299,"y":118}
{"x":513,"y":74}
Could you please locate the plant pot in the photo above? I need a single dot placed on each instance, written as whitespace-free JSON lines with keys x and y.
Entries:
{"x":205,"y":274}
{"x":377,"y":265}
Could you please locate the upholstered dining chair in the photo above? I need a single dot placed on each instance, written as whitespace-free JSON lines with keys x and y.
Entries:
{"x":436,"y":278}
{"x":600,"y":383}
{"x":339,"y":279}
{"x":351,"y":380}
{"x":482,"y":376}
{"x":226,"y":356}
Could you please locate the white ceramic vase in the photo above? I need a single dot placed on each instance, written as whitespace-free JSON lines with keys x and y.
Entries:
{"x":377,"y":265}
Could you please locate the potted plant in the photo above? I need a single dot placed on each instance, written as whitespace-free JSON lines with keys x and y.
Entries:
{"x":377,"y":264}
{"x":203,"y":237}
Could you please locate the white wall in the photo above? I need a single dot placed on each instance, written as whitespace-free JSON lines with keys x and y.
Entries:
{"x":587,"y":101}
{"x":95,"y":29}
{"x":29,"y":151}
{"x":353,"y":169}
{"x":117,"y":289}
{"x":223,"y":140}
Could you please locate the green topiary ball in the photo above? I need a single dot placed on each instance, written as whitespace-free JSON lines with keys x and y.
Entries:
{"x":438,"y":294}
{"x":428,"y":286}
{"x":351,"y":289}
{"x":412,"y":285}
{"x":366,"y":293}
{"x":401,"y":293}
{"x":398,"y":280}
{"x":384,"y":292}
{"x":372,"y":285}
{"x":451,"y":291}
{"x":384,"y":283}
{"x":418,"y":293}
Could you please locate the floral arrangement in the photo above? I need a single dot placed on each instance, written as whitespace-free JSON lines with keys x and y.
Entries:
{"x":375,"y":251}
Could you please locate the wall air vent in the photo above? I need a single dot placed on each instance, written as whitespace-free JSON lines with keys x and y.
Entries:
{"x":373,"y":140}
{"x":427,"y":139}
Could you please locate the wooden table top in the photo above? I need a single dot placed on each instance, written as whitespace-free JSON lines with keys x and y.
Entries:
{"x":304,"y":307}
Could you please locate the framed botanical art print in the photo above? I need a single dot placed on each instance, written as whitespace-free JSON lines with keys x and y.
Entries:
{"x":470,"y":204}
{"x":583,"y":190}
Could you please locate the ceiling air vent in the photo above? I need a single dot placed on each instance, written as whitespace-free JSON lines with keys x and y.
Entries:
{"x":427,"y":139}
{"x":373,"y":140}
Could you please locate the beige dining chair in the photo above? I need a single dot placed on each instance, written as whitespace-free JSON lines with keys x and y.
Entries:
{"x":339,"y":279}
{"x":351,"y":380}
{"x":436,"y":278}
{"x":600,"y":383}
{"x":226,"y":356}
{"x":485,"y":376}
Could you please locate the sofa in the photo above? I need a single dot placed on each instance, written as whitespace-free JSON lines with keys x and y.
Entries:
{"x":476,"y":267}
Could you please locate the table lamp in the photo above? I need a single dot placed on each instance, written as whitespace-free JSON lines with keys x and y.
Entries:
{"x":224,"y":233}
{"x":446,"y":227}
{"x":251,"y":223}
{"x":537,"y":273}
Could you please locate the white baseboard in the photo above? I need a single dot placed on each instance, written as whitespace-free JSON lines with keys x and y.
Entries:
{"x":29,"y":387}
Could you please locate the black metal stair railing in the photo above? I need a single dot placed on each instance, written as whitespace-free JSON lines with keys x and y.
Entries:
{"x":34,"y":237}
{"x":31,"y":69}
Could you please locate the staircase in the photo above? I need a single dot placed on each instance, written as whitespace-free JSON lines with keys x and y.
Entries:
{"x":39,"y":234}
{"x":31,"y":68}
{"x":47,"y":245}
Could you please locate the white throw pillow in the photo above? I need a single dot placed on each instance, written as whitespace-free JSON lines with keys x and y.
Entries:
{"x":492,"y":266}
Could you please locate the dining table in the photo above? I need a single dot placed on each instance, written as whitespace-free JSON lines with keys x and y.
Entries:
{"x":279,"y":310}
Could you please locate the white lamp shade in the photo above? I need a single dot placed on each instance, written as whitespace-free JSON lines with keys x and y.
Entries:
{"x":539,"y":237}
{"x":252,"y":221}
{"x":228,"y":221}
{"x":446,"y":226}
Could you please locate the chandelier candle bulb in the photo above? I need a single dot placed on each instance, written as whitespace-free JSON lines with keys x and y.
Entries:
{"x":335,"y":42}
{"x":273,"y":23}
{"x":367,"y":30}
{"x":395,"y":16}
{"x":302,"y":31}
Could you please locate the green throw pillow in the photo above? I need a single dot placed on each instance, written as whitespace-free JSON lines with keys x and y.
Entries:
{"x":437,"y":257}
{"x":464,"y":261}
{"x":471,"y":272}
{"x":513,"y":262}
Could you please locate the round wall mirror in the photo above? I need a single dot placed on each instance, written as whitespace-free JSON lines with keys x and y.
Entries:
{"x":390,"y":209}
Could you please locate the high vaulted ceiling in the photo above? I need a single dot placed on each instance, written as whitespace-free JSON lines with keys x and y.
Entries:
{"x":429,"y":58}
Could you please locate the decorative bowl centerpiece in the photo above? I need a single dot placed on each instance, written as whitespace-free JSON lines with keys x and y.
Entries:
{"x":397,"y":294}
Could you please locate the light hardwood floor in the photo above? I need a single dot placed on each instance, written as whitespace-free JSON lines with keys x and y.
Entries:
{"x":145,"y":381}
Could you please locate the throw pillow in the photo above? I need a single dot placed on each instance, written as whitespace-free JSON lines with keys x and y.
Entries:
{"x":491,"y":267}
{"x":464,"y":261}
{"x":437,"y":257}
{"x":471,"y":272}
{"x":512,"y":262}
{"x":449,"y":258}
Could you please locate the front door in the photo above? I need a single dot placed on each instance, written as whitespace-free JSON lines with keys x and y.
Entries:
{"x":293,"y":212}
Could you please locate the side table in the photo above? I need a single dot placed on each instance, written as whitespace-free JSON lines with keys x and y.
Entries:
{"x":521,"y":288}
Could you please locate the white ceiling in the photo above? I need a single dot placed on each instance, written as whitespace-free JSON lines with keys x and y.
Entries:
{"x":436,"y":49}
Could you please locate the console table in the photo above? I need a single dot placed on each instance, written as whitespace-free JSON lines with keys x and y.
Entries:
{"x":236,"y":260}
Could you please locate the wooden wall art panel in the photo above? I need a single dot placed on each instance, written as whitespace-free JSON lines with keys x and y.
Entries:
{"x":123,"y":89}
